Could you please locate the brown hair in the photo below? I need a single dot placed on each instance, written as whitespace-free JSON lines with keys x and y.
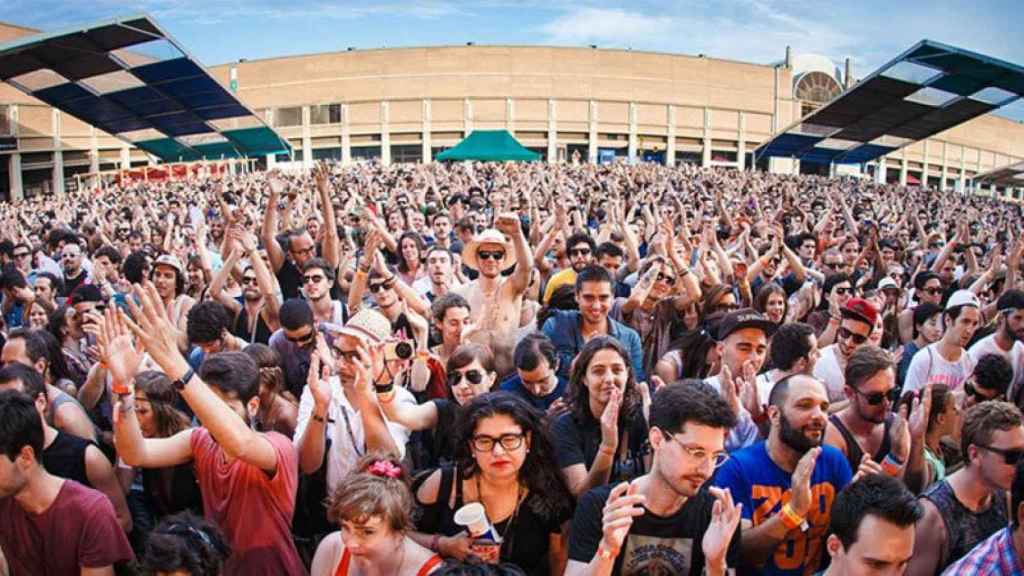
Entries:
{"x":466,"y":353}
{"x":865,"y":362}
{"x":269,"y":363}
{"x":983,"y":420}
{"x":364,"y":494}
{"x":161,"y":395}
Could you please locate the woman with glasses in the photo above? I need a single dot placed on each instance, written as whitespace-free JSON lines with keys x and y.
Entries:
{"x":505,"y":462}
{"x":374,"y":507}
{"x":603,"y":437}
{"x":470,"y":373}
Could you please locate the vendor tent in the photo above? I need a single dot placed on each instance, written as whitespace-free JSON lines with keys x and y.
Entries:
{"x":492,"y":145}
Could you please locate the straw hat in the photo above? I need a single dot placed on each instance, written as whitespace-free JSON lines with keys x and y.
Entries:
{"x":489,"y":236}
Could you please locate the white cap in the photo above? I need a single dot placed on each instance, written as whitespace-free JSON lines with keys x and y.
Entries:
{"x":888,"y":282}
{"x":963,"y":298}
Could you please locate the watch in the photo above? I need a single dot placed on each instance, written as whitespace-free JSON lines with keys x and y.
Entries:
{"x":180,"y":383}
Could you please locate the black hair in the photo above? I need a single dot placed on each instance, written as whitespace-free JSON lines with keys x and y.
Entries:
{"x":42,"y":344}
{"x":864,"y":363}
{"x":295,"y":313}
{"x":471,"y":567}
{"x":993,"y":372}
{"x":923,"y":313}
{"x":791,"y":342}
{"x":578,"y":395}
{"x":593,"y":273}
{"x":232,"y":373}
{"x":12,"y":278}
{"x":609,"y":249}
{"x":421,"y":246}
{"x":765,"y":292}
{"x":20,"y":425}
{"x":56,"y":283}
{"x":875,"y":494}
{"x":690,"y":401}
{"x":321,"y":264}
{"x":112,"y":254}
{"x":580,"y":237}
{"x":135,"y":267}
{"x":186,"y":542}
{"x":31,"y":381}
{"x":954,"y":313}
{"x":443,"y":303}
{"x":540,"y":471}
{"x":531,"y":349}
{"x":85,"y":293}
{"x":830,"y":282}
{"x":207,"y":322}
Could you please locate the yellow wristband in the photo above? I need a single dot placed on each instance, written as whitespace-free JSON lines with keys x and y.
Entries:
{"x":790,"y":519}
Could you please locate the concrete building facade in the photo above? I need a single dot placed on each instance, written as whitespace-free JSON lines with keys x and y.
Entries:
{"x":408,"y":104}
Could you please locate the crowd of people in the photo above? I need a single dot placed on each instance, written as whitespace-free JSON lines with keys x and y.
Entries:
{"x":487,"y":368}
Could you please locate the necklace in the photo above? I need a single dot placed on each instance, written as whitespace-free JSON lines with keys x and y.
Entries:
{"x":512,"y":519}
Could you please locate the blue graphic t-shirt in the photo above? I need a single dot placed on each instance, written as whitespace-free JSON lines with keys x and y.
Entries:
{"x":763,"y":488}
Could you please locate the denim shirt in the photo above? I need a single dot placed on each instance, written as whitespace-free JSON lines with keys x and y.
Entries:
{"x":563,"y":327}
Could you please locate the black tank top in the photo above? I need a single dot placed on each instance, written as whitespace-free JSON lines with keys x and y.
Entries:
{"x":854,"y":453}
{"x":66,"y":458}
{"x":965,"y":529}
{"x":172,"y":490}
{"x":241,"y":328}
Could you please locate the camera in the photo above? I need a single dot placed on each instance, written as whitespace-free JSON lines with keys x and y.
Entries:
{"x":403,"y":350}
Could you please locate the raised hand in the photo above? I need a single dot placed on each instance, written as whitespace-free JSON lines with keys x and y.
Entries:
{"x":318,"y":377}
{"x":116,"y":348}
{"x":610,"y":421}
{"x":622,"y":506}
{"x":867,"y":466}
{"x":800,"y":501}
{"x":153,"y":328}
{"x":730,"y":388}
{"x":725,"y":517}
{"x":508,"y":224}
{"x":920,"y":412}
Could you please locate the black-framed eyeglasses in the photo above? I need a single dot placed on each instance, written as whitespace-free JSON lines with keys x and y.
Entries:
{"x":249,"y":281}
{"x":488,"y":255}
{"x":700,"y":454}
{"x":473,"y":376}
{"x":314,"y":278}
{"x":876,"y":398}
{"x":579,"y":252}
{"x":1010,"y":455}
{"x":509,"y":442}
{"x":847,"y":334}
{"x":972,"y":390}
{"x":379,"y":287}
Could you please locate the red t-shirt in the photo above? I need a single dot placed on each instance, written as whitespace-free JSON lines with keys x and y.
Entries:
{"x":79,"y":529}
{"x":252,"y":508}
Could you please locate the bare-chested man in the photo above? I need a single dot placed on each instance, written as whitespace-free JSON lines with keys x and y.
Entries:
{"x":496,"y":301}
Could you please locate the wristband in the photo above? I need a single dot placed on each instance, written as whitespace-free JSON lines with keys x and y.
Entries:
{"x":891,"y":466}
{"x":318,"y":418}
{"x":790,"y":519}
{"x":386,"y":397}
{"x":606,"y":553}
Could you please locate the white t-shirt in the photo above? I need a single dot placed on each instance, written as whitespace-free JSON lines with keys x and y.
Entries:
{"x":346,"y":449}
{"x":929,"y":367}
{"x":1015,"y":356}
{"x":827,"y":370}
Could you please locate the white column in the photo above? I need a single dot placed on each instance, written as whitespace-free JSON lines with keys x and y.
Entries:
{"x":633,"y":144}
{"x":881,"y":168}
{"x":903,"y":167}
{"x":945,"y":165}
{"x":346,"y":137}
{"x":670,"y":141}
{"x":307,"y":140}
{"x":14,"y":178}
{"x":741,"y":144}
{"x":94,"y":151}
{"x":925,"y":166}
{"x":427,"y":151}
{"x":271,"y":158}
{"x":591,"y":133}
{"x":385,"y":133}
{"x":963,"y":171}
{"x":467,"y":117}
{"x":552,"y":131}
{"x":58,"y":155}
{"x":706,"y":138}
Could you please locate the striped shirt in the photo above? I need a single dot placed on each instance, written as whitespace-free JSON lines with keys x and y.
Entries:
{"x":994,"y":556}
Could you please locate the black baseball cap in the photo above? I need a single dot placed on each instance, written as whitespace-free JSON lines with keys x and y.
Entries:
{"x":744,"y":318}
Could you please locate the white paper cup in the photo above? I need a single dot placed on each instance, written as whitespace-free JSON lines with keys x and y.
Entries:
{"x":473,"y":517}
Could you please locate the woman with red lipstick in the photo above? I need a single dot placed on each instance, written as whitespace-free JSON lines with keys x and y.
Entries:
{"x":374,"y":507}
{"x":506,"y":462}
{"x":603,"y":437}
{"x":470,"y":371}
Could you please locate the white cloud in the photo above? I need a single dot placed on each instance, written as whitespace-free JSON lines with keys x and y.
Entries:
{"x":606,"y":26}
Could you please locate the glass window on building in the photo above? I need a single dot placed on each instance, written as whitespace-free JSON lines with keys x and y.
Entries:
{"x":298,"y":157}
{"x":366,"y":152}
{"x":689,"y":157}
{"x":327,"y":153}
{"x":284,"y":117}
{"x":325,"y":114}
{"x":406,"y":153}
{"x":723,"y":155}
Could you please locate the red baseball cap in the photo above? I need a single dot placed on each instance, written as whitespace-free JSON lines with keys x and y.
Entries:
{"x":860,"y":309}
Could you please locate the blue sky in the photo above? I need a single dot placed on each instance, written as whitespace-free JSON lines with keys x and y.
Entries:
{"x":870,"y":32}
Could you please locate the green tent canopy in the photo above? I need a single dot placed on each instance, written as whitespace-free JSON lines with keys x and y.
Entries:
{"x":489,"y":145}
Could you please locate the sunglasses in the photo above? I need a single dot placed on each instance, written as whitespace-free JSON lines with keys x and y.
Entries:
{"x":487,"y":255}
{"x":666,"y":278}
{"x":843,"y":291}
{"x":374,"y":288}
{"x":302,"y":339}
{"x":876,"y":398}
{"x":313,"y":278}
{"x":249,"y":281}
{"x":846,"y":334}
{"x":473,"y":376}
{"x":933,"y":291}
{"x":579,"y":252}
{"x":1011,"y":456}
{"x":971,"y":390}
